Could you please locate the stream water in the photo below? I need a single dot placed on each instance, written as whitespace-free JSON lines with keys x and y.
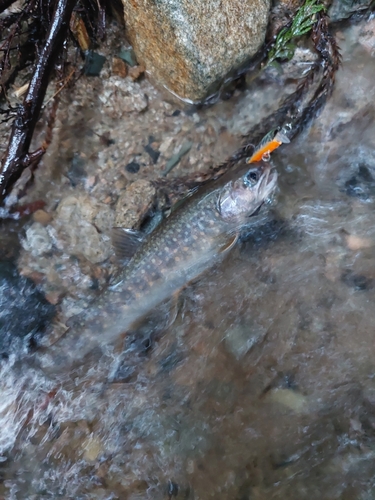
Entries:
{"x":264,"y":385}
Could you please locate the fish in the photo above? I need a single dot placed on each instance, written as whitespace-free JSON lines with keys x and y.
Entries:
{"x":194,"y":237}
{"x":269,"y":143}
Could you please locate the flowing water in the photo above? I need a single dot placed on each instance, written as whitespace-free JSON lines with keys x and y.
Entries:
{"x":264,"y":384}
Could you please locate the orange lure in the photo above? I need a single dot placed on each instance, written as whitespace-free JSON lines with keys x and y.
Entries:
{"x":268,"y":144}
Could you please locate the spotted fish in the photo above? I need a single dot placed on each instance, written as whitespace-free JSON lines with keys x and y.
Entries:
{"x":189,"y":241}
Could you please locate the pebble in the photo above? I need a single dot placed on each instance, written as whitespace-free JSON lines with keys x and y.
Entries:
{"x":37,"y":241}
{"x":119,"y":67}
{"x":90,"y":182}
{"x":240,"y":339}
{"x":42,"y":217}
{"x":136,"y":72}
{"x":290,"y":399}
{"x":134,"y":203}
{"x":83,"y":226}
{"x":132,"y":167}
{"x":355,"y":243}
{"x":165,"y":145}
{"x":92,"y":449}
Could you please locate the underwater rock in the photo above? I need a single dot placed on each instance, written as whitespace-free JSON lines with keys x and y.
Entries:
{"x":134,"y":203}
{"x":189,"y":47}
{"x":342,"y":9}
{"x":24,"y":311}
{"x":240,"y":339}
{"x":357,"y":281}
{"x":81,"y":226}
{"x":361,"y":184}
{"x":37,"y":240}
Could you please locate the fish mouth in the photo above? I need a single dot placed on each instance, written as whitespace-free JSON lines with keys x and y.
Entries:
{"x":267,"y":182}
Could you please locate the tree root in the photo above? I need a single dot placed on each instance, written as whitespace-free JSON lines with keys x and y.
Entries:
{"x":17,"y":157}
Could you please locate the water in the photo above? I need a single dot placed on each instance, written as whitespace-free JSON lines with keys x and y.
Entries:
{"x":263,"y":387}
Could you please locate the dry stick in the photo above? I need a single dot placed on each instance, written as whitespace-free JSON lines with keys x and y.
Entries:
{"x":16,"y":157}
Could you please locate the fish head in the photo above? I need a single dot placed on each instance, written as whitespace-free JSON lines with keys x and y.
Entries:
{"x":241,"y":197}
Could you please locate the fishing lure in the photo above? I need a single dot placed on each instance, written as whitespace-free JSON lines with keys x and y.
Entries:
{"x":269,"y":143}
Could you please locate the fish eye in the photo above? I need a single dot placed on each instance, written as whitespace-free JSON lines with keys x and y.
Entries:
{"x":251,"y":178}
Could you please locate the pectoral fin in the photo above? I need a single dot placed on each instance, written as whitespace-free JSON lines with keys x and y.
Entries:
{"x":230,"y":244}
{"x":126,"y":242}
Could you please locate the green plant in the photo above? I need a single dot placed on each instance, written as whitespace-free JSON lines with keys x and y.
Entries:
{"x":302,"y":23}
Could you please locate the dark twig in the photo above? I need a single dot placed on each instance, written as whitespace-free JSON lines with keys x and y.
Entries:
{"x":16,"y":157}
{"x":325,"y":44}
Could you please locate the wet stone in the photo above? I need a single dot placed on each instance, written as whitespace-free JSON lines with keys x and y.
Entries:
{"x":357,"y":281}
{"x":361,"y":184}
{"x":119,"y":67}
{"x":134,"y":203}
{"x":132,"y":167}
{"x":82,"y":225}
{"x":77,"y":172}
{"x":191,"y":46}
{"x":24,"y":311}
{"x":154,"y":155}
{"x":240,"y":339}
{"x":94,"y":64}
{"x":37,"y":241}
{"x":342,"y":9}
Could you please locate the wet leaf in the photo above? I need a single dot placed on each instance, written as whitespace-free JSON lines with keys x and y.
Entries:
{"x":94,"y":64}
{"x":174,"y":159}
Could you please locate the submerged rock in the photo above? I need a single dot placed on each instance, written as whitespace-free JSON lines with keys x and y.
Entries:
{"x":134,"y":203}
{"x":24,"y":311}
{"x":189,"y":47}
{"x":342,"y":9}
{"x":37,"y":240}
{"x":81,"y":225}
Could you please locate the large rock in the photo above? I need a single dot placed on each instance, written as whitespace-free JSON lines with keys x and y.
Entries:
{"x":190,"y":46}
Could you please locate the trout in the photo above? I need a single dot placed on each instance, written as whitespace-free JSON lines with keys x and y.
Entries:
{"x":200,"y":231}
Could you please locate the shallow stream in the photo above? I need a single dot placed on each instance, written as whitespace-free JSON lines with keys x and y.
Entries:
{"x":263,"y":387}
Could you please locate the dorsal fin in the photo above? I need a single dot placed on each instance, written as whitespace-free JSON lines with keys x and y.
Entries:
{"x":126,"y":242}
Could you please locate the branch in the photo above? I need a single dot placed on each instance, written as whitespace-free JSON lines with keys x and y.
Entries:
{"x":16,"y":157}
